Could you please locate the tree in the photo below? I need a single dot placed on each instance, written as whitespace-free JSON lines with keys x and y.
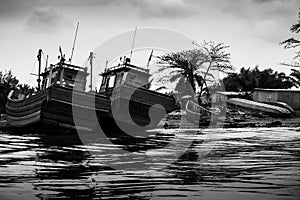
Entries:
{"x":295,"y":76}
{"x":248,"y":79}
{"x":7,"y":82}
{"x":195,"y":68}
{"x":26,"y":89}
{"x":293,"y":43}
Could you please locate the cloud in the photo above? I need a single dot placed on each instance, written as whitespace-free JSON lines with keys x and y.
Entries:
{"x":245,"y":9}
{"x":14,"y":8}
{"x":145,"y":8}
{"x":46,"y":20}
{"x":163,"y":8}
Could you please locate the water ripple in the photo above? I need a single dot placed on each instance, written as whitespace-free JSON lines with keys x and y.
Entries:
{"x":257,"y":163}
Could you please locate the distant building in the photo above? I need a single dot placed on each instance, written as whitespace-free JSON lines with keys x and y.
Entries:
{"x":288,"y":96}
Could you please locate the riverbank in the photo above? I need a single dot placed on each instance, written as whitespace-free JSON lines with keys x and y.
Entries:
{"x":235,"y":118}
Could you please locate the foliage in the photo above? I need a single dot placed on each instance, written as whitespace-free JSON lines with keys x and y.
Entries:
{"x":195,"y":68}
{"x":248,"y":79}
{"x":8,"y":82}
{"x":293,"y":43}
{"x":295,"y":76}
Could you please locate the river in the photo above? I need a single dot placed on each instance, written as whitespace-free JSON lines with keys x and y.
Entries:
{"x":250,"y":163}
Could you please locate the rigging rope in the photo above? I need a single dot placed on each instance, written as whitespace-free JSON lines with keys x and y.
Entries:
{"x":33,"y":68}
{"x":99,"y":66}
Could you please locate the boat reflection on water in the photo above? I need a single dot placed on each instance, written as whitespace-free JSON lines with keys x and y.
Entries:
{"x":252,"y":163}
{"x":65,"y":168}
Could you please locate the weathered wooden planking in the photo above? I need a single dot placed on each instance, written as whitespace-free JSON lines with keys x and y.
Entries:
{"x":146,"y":97}
{"x":24,"y":120}
{"x":80,"y":98}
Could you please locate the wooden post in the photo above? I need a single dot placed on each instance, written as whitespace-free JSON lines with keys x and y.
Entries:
{"x":91,"y":75}
{"x":39,"y":56}
{"x":46,"y":63}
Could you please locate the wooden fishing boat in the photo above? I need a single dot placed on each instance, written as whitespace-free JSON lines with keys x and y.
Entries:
{"x":197,"y":114}
{"x":128,"y":88}
{"x":53,"y":103}
{"x":272,"y":110}
{"x":53,"y":106}
{"x":63,"y":91}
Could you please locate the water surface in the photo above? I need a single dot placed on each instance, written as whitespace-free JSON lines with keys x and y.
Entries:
{"x":257,"y":163}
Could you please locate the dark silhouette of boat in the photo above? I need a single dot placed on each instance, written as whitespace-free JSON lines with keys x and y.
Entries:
{"x":196,"y":113}
{"x":61,"y":89}
{"x":202,"y":116}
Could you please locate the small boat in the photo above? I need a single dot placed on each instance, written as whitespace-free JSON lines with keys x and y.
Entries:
{"x":62,"y":92}
{"x":53,"y":103}
{"x":271,"y":110}
{"x":282,"y":105}
{"x":199,"y":115}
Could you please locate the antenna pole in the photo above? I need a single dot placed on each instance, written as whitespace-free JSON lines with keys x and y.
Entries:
{"x":91,"y":75}
{"x":133,"y":42}
{"x":39,"y":56}
{"x":106,"y":64}
{"x":74,"y":42}
{"x":46,"y":62}
{"x":149,"y":59}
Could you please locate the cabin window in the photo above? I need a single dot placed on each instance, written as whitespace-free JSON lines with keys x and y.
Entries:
{"x":69,"y":77}
{"x":136,"y":80}
{"x":111,"y":81}
{"x":131,"y":77}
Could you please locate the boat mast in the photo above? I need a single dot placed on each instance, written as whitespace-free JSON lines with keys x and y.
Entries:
{"x":74,"y":43}
{"x":46,"y":62}
{"x":133,"y":40}
{"x":148,"y":63}
{"x":91,"y":75}
{"x":39,"y":56}
{"x":106,"y":64}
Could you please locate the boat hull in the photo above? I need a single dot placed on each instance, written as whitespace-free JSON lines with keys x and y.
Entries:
{"x":271,"y":110}
{"x":196,"y":115}
{"x":54,"y":106}
{"x":139,"y":108}
{"x":65,"y":108}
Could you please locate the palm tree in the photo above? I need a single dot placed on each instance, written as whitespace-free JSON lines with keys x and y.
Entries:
{"x":193,"y":69}
{"x":295,"y":76}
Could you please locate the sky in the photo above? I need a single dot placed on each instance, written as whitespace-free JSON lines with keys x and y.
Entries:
{"x":252,"y":28}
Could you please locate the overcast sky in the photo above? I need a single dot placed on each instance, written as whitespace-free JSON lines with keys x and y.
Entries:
{"x":252,"y":28}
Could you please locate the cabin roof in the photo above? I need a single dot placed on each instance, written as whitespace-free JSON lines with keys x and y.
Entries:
{"x":66,"y":66}
{"x":276,"y":90}
{"x":126,"y":67}
{"x":230,"y":93}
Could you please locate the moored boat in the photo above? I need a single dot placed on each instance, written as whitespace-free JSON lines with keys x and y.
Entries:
{"x":272,"y":110}
{"x":52,"y":104}
{"x":197,"y":114}
{"x":134,"y":105}
{"x":63,"y":89}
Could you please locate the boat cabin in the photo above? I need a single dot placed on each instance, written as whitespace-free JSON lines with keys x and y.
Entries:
{"x":65,"y":75}
{"x":124,"y":73}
